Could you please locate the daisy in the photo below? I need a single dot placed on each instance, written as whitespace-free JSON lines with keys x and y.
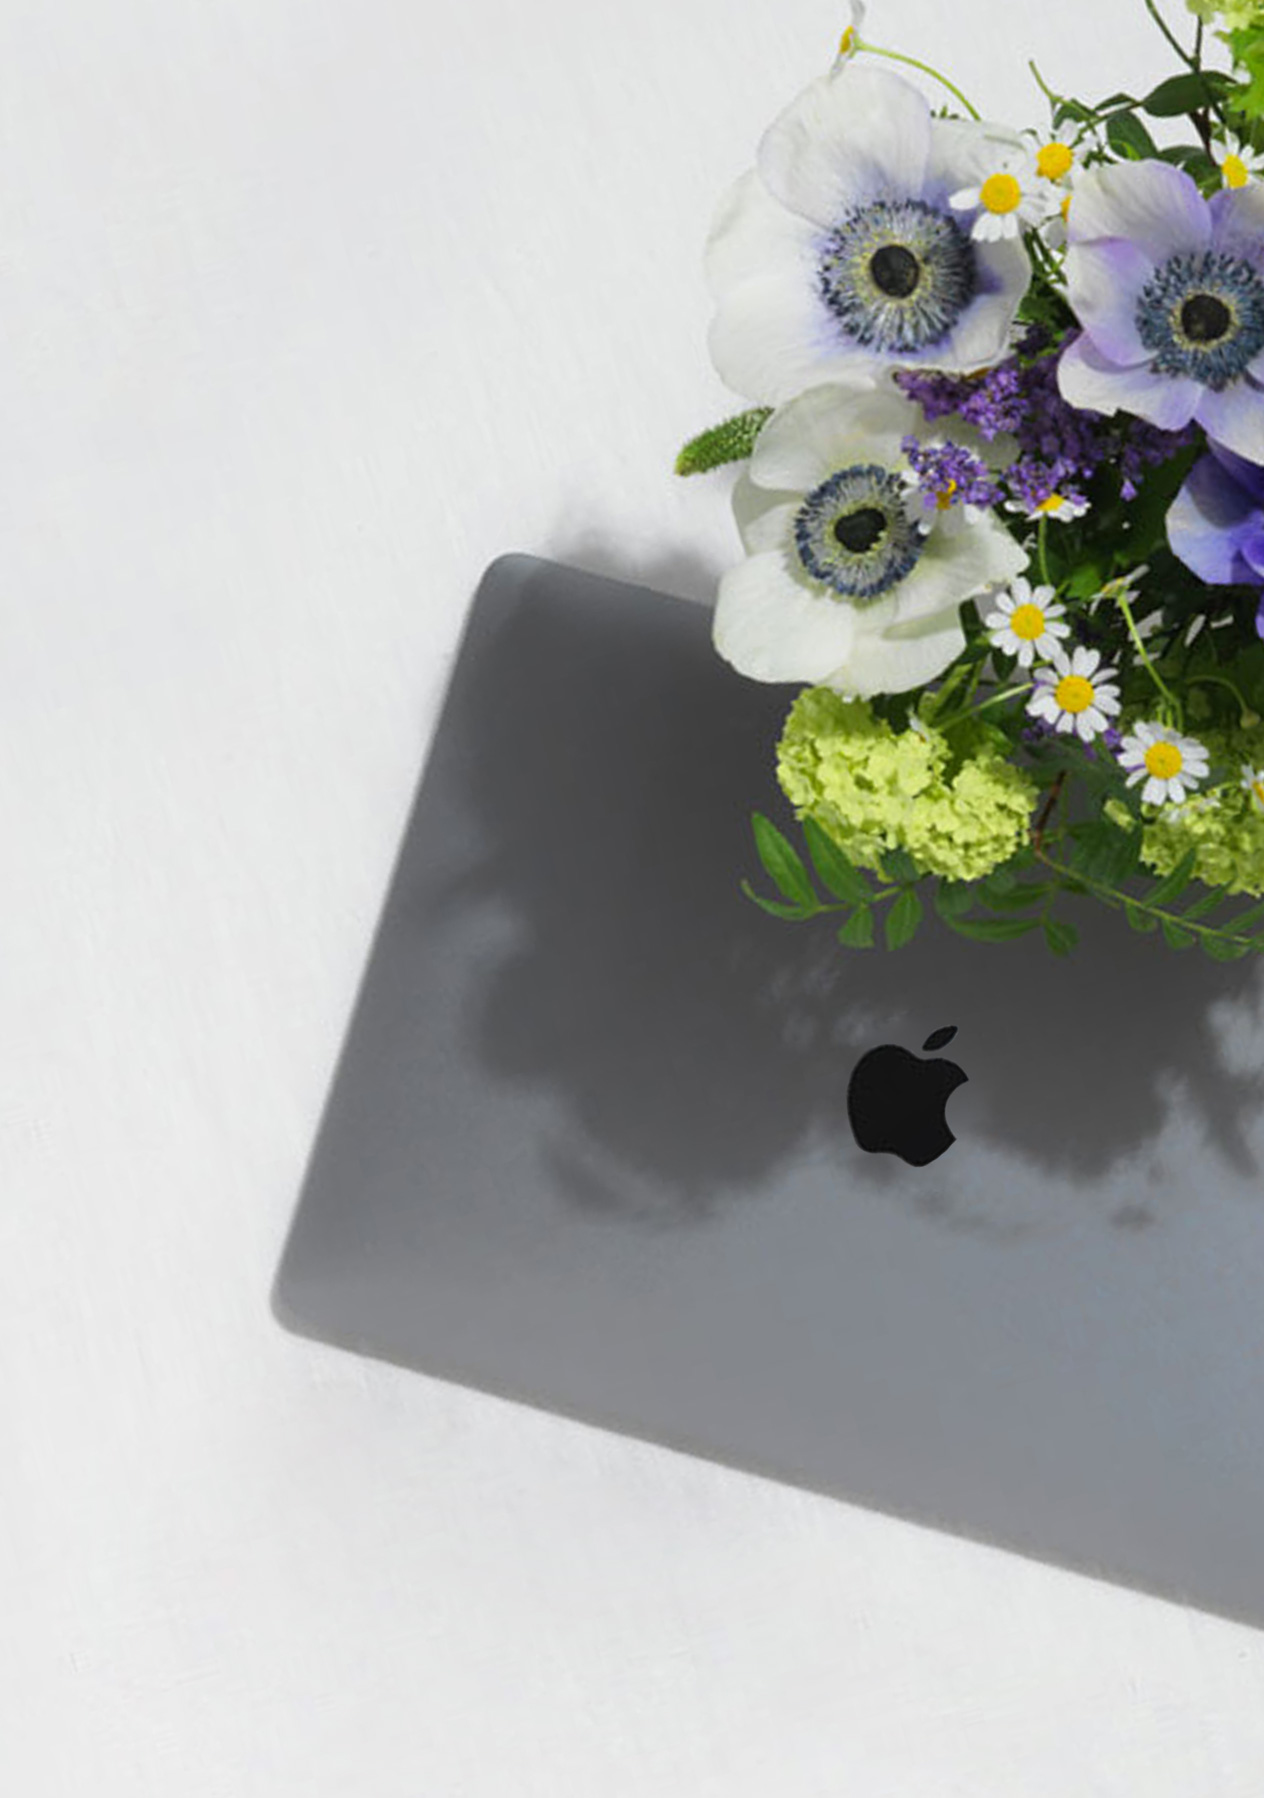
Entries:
{"x":1054,"y":162}
{"x":1237,"y":160}
{"x":1008,"y":198}
{"x":1027,"y":622}
{"x":1253,"y":783}
{"x":838,"y":254}
{"x":849,"y":580}
{"x":1062,"y":506}
{"x":1076,"y":693}
{"x":849,"y":42}
{"x":1171,"y":765}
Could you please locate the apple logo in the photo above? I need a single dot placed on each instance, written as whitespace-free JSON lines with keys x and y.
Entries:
{"x":896,"y":1101}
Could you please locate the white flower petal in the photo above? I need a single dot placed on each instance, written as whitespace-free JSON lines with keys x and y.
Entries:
{"x":772,"y":627}
{"x":1087,"y":380}
{"x":1150,"y":204}
{"x":1235,"y":417}
{"x":752,"y":235}
{"x":764,"y":520}
{"x":831,"y":426}
{"x":855,"y":135}
{"x":981,"y":335}
{"x":957,"y":565}
{"x":904,"y":656}
{"x":1103,"y":281}
{"x":772,"y":336}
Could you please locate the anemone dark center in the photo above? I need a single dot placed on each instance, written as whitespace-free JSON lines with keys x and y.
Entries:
{"x":1205,"y":318}
{"x":859,"y":531}
{"x":895,"y":271}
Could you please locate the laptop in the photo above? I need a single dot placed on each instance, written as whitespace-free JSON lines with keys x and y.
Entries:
{"x":589,"y":1145}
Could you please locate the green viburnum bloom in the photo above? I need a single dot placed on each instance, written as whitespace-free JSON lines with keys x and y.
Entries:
{"x":1224,"y":824}
{"x":873,"y":789}
{"x":1235,"y":15}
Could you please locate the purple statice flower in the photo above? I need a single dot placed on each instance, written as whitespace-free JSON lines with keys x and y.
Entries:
{"x":948,"y":474}
{"x":1216,"y":522}
{"x":1060,"y":447}
{"x":1169,"y":289}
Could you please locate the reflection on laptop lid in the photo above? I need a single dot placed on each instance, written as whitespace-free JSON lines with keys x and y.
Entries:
{"x":588,"y":1144}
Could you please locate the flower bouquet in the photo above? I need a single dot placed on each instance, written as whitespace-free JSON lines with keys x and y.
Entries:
{"x":1002,"y":502}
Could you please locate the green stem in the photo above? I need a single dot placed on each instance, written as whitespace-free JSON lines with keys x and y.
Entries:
{"x":1042,"y":548}
{"x":1146,"y":663}
{"x":978,"y":710}
{"x":1189,"y":61}
{"x":1053,"y":99}
{"x":898,"y":56}
{"x":1119,"y":901}
{"x":1221,"y":680}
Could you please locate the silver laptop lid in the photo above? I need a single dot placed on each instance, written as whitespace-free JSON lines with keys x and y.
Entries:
{"x":588,"y":1143}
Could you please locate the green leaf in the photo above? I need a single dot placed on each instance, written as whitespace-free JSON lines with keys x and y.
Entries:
{"x":731,"y":441}
{"x":782,"y":864}
{"x":903,"y":918}
{"x":1244,"y":920}
{"x":898,"y":866}
{"x":1061,"y":936}
{"x":1207,"y":903}
{"x":953,"y":898}
{"x":1000,"y":881}
{"x":1139,"y":919}
{"x":1103,"y":851}
{"x":1128,"y":137}
{"x":795,"y":914}
{"x":1175,"y":882}
{"x":1023,"y":896}
{"x":1175,"y":937}
{"x":994,"y":930}
{"x":1179,"y":93}
{"x":1221,"y":948}
{"x":836,"y":872}
{"x":857,"y":932}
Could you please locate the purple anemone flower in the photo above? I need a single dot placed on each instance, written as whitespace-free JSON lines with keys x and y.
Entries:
{"x":1169,"y":288}
{"x":1216,"y":522}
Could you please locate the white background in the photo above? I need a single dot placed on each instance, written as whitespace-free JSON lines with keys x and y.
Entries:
{"x":311,"y":308}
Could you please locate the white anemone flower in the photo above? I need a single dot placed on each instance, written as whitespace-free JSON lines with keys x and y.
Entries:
{"x":848,"y":580}
{"x":1027,"y":622}
{"x":1170,"y":764}
{"x":839,"y":251}
{"x":1008,"y":195}
{"x":1076,"y":693}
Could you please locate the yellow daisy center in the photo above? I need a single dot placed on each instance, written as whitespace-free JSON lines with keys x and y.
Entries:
{"x":1235,"y":171}
{"x":1027,"y":622}
{"x":943,"y":499}
{"x":1053,"y":161}
{"x":1054,"y":503}
{"x":1073,"y":693}
{"x":846,"y":43}
{"x":1163,"y":760}
{"x":1000,"y":193}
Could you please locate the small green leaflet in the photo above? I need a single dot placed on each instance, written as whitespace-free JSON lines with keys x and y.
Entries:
{"x":836,"y":872}
{"x":782,"y":864}
{"x":903,"y":918}
{"x":857,"y":932}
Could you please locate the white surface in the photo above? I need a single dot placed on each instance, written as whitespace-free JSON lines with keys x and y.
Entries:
{"x":311,"y":308}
